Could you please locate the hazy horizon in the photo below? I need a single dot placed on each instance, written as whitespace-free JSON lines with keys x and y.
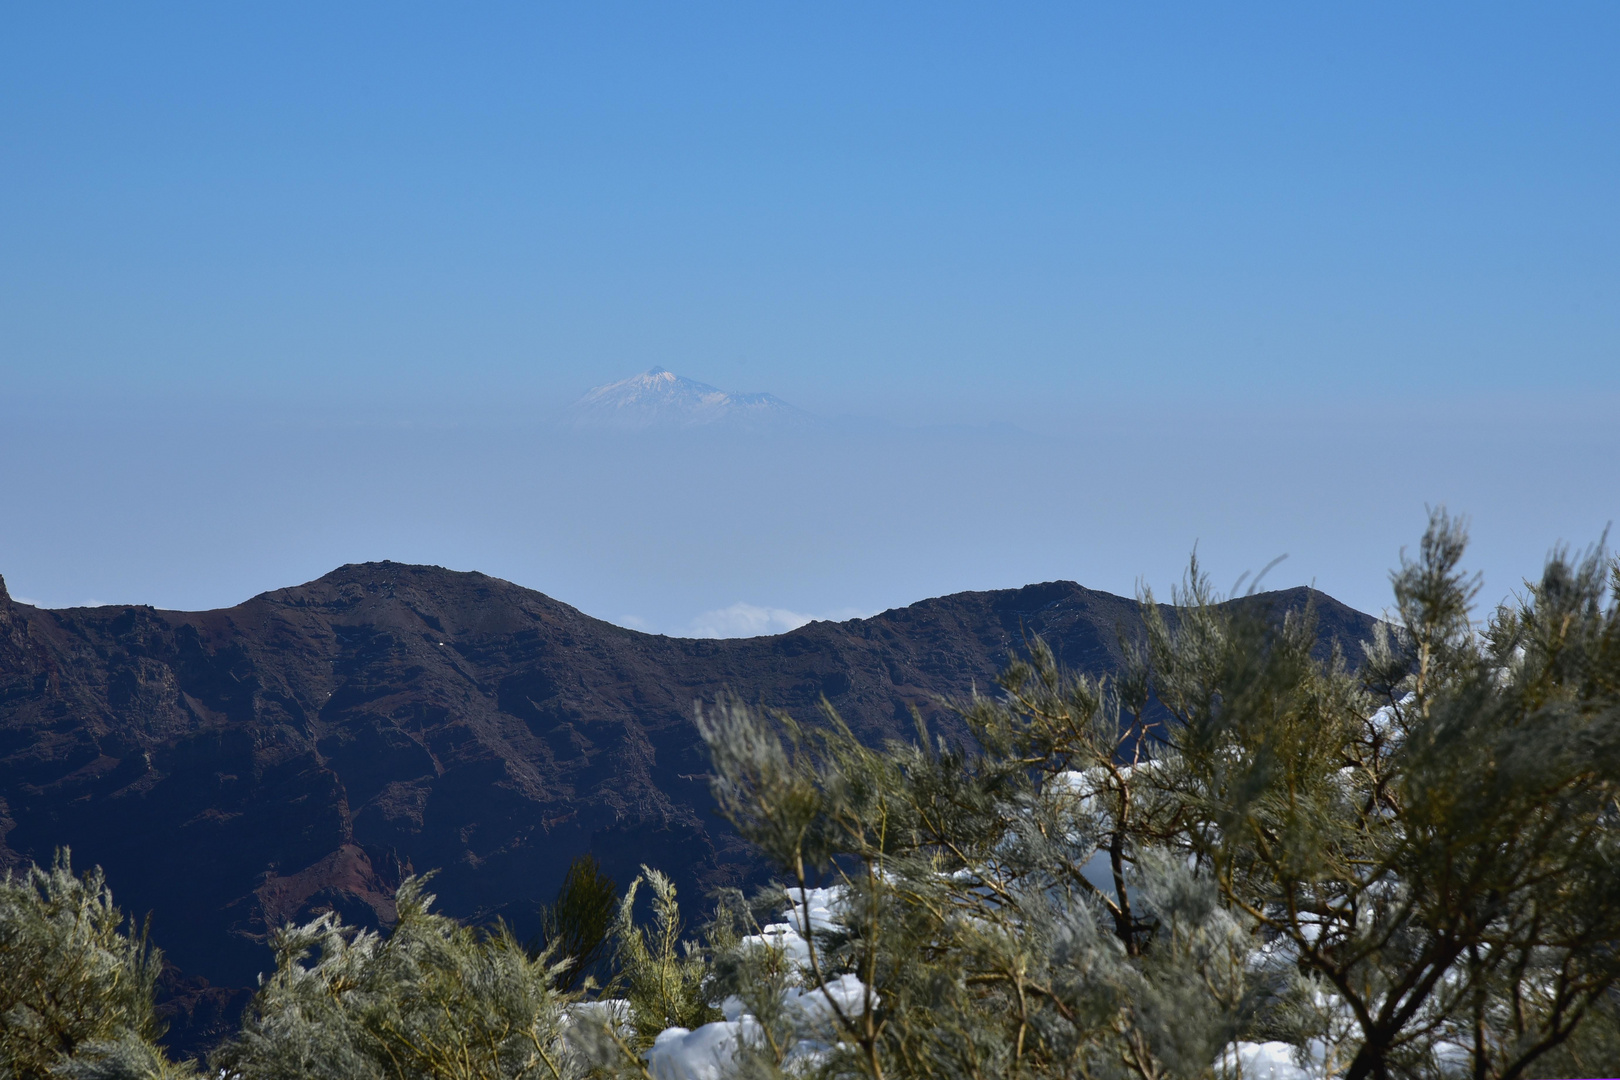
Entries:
{"x":1077,"y":289}
{"x":708,"y":532}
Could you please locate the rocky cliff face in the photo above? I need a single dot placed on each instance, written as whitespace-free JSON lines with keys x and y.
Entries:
{"x":234,"y":769}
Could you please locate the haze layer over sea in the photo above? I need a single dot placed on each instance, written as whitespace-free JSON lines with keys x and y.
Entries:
{"x":197,"y":504}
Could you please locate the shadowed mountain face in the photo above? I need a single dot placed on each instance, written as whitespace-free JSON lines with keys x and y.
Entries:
{"x":234,"y":769}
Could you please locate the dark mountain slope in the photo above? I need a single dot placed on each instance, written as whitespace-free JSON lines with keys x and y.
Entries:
{"x":232,"y":769}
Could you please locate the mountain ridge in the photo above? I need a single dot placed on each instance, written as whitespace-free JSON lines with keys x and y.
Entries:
{"x":301,"y":751}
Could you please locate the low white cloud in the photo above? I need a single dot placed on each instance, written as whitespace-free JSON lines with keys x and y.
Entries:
{"x":751,"y":620}
{"x":747,"y":620}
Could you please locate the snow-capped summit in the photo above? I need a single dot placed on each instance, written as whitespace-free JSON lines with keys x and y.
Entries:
{"x":663,"y":399}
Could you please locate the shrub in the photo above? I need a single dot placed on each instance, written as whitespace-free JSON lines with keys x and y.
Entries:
{"x":75,"y":984}
{"x":575,"y":927}
{"x":430,"y":999}
{"x":664,"y":979}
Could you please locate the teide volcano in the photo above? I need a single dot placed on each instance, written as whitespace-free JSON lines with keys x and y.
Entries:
{"x":233,"y":769}
{"x":662,"y":400}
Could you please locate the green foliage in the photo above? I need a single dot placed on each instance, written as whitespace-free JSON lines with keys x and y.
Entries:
{"x":431,"y":999}
{"x":662,"y":976}
{"x":1433,"y":842}
{"x":1592,"y":1049}
{"x":75,"y":987}
{"x":576,"y":926}
{"x":1407,"y":870}
{"x":997,"y":905}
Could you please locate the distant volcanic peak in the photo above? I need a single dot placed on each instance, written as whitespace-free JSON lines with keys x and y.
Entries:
{"x":658,"y":398}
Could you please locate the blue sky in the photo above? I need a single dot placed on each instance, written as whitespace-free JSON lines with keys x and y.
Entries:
{"x":1263,"y":278}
